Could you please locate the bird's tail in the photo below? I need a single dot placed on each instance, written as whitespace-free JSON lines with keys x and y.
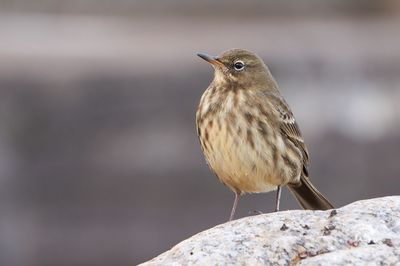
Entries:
{"x":308,"y":196}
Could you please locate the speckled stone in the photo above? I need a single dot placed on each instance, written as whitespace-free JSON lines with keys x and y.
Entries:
{"x":366,"y":232}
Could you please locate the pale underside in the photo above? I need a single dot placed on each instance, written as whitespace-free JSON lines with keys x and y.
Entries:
{"x":243,"y":167}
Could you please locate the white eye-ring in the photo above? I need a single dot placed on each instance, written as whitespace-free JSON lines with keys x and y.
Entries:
{"x":238,"y":65}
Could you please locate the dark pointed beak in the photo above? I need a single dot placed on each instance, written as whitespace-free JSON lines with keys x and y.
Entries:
{"x":213,"y":60}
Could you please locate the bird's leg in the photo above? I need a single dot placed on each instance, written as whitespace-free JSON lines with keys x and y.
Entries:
{"x":278,"y":198}
{"x":237,"y":197}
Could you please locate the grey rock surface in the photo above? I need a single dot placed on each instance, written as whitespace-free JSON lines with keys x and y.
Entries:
{"x":365,"y":232}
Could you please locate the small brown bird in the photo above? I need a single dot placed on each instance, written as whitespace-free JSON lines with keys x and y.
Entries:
{"x":248,"y":133}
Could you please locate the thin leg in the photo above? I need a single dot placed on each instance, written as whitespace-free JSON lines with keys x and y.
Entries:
{"x":237,"y":197}
{"x":278,"y":198}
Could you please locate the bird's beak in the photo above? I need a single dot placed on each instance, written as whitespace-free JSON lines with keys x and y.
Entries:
{"x":213,"y":60}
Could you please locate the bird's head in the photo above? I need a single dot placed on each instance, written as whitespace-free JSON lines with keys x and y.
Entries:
{"x":240,"y":67}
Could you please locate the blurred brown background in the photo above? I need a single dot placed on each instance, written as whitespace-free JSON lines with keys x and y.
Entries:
{"x":99,"y":158}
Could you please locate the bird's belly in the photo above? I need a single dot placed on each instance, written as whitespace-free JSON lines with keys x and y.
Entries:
{"x":244,"y":148}
{"x":243,"y":175}
{"x":242,"y":167}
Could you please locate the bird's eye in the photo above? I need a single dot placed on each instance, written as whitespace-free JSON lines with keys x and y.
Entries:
{"x":238,"y":65}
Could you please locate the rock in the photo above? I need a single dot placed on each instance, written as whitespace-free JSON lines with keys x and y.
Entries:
{"x":366,"y":232}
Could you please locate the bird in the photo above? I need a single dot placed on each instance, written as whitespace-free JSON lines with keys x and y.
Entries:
{"x":249,"y":135}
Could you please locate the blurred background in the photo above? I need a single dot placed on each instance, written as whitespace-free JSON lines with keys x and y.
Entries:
{"x":99,"y":158}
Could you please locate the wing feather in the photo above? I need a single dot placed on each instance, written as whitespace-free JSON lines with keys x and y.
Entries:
{"x":290,"y":128}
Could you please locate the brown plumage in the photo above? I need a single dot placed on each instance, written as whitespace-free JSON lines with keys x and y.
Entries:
{"x":248,"y":133}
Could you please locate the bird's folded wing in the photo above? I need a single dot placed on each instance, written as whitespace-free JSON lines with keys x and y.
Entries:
{"x":290,"y":128}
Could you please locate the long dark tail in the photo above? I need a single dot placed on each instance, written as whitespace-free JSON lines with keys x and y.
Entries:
{"x":308,"y":196}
